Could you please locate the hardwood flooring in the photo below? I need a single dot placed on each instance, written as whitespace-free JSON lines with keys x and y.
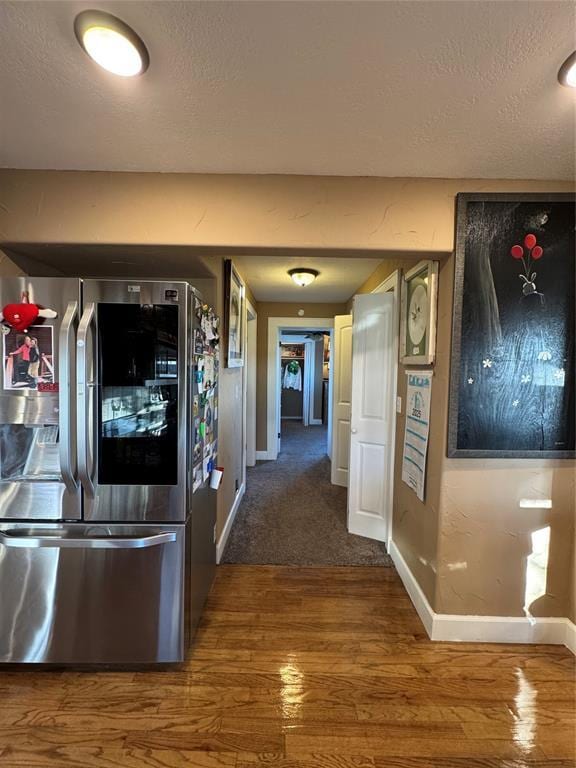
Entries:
{"x":303,"y":668}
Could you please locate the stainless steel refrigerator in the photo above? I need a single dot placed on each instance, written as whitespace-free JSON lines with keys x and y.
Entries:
{"x":107,"y":527}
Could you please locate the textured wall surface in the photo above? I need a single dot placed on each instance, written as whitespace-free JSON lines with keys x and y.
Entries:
{"x":389,"y":217}
{"x":437,"y":89}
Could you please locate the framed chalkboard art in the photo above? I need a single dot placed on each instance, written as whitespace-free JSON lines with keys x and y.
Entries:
{"x":512,"y":378}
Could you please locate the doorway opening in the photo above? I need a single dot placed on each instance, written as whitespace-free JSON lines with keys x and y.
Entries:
{"x":304,"y":390}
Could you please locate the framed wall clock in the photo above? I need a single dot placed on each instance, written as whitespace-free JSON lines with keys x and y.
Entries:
{"x":418,"y":314}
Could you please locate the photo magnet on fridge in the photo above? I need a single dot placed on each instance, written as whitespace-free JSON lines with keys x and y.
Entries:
{"x":29,"y":359}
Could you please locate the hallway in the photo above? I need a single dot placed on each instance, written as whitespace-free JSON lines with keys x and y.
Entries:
{"x":292,"y":515}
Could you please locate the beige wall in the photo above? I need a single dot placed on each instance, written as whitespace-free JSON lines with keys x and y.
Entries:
{"x":335,"y":214}
{"x":467,"y":542}
{"x":230,"y":435}
{"x":471,"y":513}
{"x":265,"y":311}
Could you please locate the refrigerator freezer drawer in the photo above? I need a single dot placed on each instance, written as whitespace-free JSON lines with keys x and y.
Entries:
{"x":91,"y":594}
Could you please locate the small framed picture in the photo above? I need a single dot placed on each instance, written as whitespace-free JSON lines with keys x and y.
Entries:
{"x":418,"y":314}
{"x":234,"y":313}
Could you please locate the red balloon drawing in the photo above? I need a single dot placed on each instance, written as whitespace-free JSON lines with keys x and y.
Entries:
{"x":517,"y":251}
{"x":530,"y":241}
{"x":536,"y":252}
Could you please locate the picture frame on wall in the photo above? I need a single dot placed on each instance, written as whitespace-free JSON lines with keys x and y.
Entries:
{"x":513,"y":362}
{"x":234,"y":313}
{"x":419,"y":297}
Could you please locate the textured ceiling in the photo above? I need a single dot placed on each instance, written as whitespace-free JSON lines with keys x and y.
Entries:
{"x":338,"y":279}
{"x":442,"y":89}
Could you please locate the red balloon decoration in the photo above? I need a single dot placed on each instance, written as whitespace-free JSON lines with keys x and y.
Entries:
{"x":517,"y":251}
{"x":530,"y":241}
{"x":536,"y":252}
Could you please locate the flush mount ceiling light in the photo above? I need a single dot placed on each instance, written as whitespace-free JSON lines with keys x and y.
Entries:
{"x":303,"y":277}
{"x":111,"y":43}
{"x":567,"y":73}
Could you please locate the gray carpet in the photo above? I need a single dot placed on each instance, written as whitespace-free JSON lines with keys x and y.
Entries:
{"x":292,"y":515}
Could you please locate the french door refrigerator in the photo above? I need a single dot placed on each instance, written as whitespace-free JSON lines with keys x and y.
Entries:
{"x":106,"y":553}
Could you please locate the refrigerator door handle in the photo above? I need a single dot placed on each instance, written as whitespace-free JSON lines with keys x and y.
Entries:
{"x":84,"y":390}
{"x":67,"y":447}
{"x":87,"y":542}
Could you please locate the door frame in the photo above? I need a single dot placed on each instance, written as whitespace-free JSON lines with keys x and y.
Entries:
{"x":392,"y":285}
{"x":275,"y":327}
{"x":307,"y":384}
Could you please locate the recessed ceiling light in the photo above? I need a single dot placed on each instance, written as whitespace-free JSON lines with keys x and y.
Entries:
{"x":567,"y":73}
{"x":303,"y":277}
{"x":111,"y":43}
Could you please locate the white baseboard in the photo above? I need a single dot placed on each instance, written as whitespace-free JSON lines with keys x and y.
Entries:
{"x":221,"y":545}
{"x":483,"y":629}
{"x":501,"y":629}
{"x":316,"y":422}
{"x":419,"y":600}
{"x":570,"y":636}
{"x":265,"y":456}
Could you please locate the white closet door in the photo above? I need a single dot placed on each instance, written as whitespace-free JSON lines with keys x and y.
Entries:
{"x":371,"y":414}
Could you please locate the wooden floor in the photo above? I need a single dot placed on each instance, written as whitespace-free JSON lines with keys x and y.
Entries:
{"x":307,"y":668}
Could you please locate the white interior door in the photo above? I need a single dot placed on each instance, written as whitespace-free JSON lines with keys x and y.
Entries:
{"x":371,"y":414}
{"x":250,"y":366}
{"x":341,"y":363}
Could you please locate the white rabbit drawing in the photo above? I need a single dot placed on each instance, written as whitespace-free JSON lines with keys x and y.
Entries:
{"x":529,"y":286}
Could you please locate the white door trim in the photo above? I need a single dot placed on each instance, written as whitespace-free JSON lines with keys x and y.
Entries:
{"x":275,"y":326}
{"x":306,"y":380}
{"x":392,"y":284}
